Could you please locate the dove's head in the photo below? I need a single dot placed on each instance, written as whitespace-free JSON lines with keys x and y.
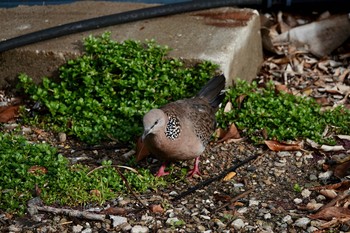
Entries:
{"x":153,"y":122}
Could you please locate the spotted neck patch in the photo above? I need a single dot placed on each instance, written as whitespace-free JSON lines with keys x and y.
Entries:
{"x":172,"y":130}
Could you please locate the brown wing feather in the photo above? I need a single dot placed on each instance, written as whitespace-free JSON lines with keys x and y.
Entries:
{"x":196,"y":113}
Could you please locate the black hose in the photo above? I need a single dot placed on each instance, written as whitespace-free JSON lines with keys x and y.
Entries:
{"x":114,"y":19}
{"x":157,"y":11}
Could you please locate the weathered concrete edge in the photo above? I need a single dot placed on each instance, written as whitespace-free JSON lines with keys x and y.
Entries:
{"x":232,"y":65}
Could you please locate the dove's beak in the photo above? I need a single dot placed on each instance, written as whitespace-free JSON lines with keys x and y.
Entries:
{"x":144,"y":135}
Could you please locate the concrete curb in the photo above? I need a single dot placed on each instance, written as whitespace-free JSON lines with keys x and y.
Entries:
{"x":227,"y":36}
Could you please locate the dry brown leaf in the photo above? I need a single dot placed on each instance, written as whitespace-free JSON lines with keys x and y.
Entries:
{"x":95,"y":192}
{"x":156,"y":209}
{"x":240,"y":100}
{"x":341,"y":186}
{"x":307,"y":91}
{"x":342,"y":170}
{"x":343,"y":76}
{"x":331,"y":212}
{"x":332,"y":224}
{"x":280,"y":146}
{"x":229,"y":176}
{"x":228,"y":107}
{"x":222,"y":197}
{"x":220,"y":133}
{"x":332,"y":148}
{"x":281,"y":87}
{"x":36,"y":169}
{"x":326,"y":148}
{"x":322,"y":101}
{"x":114,"y":211}
{"x":313,"y":206}
{"x":281,"y":61}
{"x":329,"y":193}
{"x":8,"y":113}
{"x":267,"y":40}
{"x":232,"y":133}
{"x":345,"y":137}
{"x":141,"y":150}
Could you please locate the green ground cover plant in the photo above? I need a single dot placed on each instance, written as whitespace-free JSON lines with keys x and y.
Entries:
{"x":36,"y":169}
{"x":104,"y":93}
{"x":281,"y":115}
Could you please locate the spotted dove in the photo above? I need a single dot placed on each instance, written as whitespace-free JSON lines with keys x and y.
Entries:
{"x":181,"y":130}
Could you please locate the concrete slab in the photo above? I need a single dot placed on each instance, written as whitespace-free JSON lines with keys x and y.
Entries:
{"x":227,"y":36}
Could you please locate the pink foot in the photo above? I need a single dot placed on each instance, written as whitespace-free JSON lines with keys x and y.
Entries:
{"x":161,"y":171}
{"x":195,"y":170}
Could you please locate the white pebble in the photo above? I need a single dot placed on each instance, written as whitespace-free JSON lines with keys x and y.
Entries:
{"x":87,"y":230}
{"x":173,"y":193}
{"x":205,"y":217}
{"x":139,"y":229}
{"x":254,"y":202}
{"x":171,"y":221}
{"x":118,"y":220}
{"x":302,"y":222}
{"x":297,"y":201}
{"x":267,"y":216}
{"x":126,"y":227}
{"x":77,"y":228}
{"x":242,"y":210}
{"x":287,"y":219}
{"x":325,"y":175}
{"x":146,"y":218}
{"x":305,"y":193}
{"x":238,"y":224}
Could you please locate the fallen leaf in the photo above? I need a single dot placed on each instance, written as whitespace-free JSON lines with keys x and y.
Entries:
{"x":232,"y":133}
{"x":228,"y":107}
{"x":307,"y":91}
{"x":345,"y":137}
{"x":222,"y":197}
{"x":141,"y":150}
{"x":114,"y":211}
{"x":331,"y":148}
{"x":240,"y":100}
{"x":37,"y":190}
{"x":36,"y":169}
{"x":95,"y":192}
{"x":313,"y":206}
{"x":280,"y":146}
{"x":331,"y":212}
{"x":342,"y":170}
{"x":156,"y":209}
{"x":326,"y":148}
{"x":229,"y":176}
{"x":329,"y":193}
{"x":341,"y":186}
{"x":220,"y":133}
{"x":281,"y":87}
{"x":8,"y":113}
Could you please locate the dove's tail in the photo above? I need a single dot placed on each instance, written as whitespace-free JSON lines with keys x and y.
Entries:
{"x":213,"y":90}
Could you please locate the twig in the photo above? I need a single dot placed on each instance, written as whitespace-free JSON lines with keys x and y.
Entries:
{"x":234,"y":199}
{"x":129,"y":188}
{"x":218,"y":177}
{"x":137,"y":198}
{"x":345,"y":194}
{"x":71,"y":213}
{"x":99,"y":147}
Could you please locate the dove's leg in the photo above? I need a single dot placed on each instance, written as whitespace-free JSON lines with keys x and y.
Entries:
{"x":195,"y":169}
{"x":161,"y":171}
